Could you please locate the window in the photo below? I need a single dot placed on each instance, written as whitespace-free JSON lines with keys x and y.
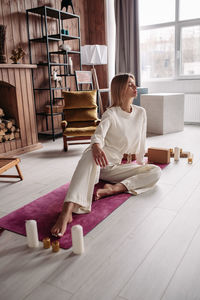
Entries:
{"x":190,"y":50}
{"x":169,"y":39}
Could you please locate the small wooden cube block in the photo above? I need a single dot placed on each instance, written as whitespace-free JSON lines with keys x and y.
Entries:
{"x":125,"y":157}
{"x":159,"y":155}
{"x":184,"y":154}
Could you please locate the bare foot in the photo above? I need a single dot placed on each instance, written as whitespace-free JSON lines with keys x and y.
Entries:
{"x":64,"y":218}
{"x":110,"y":189}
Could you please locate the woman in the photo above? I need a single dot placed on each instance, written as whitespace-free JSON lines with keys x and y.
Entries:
{"x":121,"y":130}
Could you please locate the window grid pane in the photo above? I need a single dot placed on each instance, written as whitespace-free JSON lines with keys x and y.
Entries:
{"x":189,"y":9}
{"x":164,"y":11}
{"x":190,"y":50}
{"x":157,"y":48}
{"x":165,"y":47}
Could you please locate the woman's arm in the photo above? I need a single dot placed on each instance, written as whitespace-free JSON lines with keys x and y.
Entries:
{"x":101,"y":130}
{"x":97,"y":140}
{"x":99,"y":155}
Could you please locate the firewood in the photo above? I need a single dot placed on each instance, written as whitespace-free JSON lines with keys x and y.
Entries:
{"x":1,"y":112}
{"x":11,"y":136}
{"x":17,"y":134}
{"x":13,"y":121}
{"x":8,"y":130}
{"x":7,"y":123}
{"x":2,"y":125}
{"x":6,"y":137}
{"x":12,"y":129}
{"x":2,"y":132}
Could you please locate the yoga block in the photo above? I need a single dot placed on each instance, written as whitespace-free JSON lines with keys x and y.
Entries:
{"x":165,"y":112}
{"x":159,"y":155}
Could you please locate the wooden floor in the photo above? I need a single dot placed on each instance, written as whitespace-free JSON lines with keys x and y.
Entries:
{"x":147,"y":249}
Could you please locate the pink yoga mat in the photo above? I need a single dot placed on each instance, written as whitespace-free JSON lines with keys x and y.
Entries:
{"x":46,"y":209}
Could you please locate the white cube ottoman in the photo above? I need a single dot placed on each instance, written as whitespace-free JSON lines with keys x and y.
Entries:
{"x":165,"y":112}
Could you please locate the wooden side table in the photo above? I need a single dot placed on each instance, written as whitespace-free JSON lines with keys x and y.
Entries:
{"x":7,"y":163}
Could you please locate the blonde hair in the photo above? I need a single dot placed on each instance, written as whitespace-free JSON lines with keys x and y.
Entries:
{"x":118,"y":87}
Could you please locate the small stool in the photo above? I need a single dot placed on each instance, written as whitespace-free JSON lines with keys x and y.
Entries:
{"x":7,"y":163}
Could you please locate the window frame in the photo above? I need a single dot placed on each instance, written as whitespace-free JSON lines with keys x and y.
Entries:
{"x":178,"y":25}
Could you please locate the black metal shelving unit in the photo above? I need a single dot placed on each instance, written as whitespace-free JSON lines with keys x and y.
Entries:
{"x":45,"y":13}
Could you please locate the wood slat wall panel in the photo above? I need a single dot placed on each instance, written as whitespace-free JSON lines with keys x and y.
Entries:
{"x":21,"y":92}
{"x":20,"y":107}
{"x":7,"y":21}
{"x":13,"y":80}
{"x":2,"y":146}
{"x":31,"y":110}
{"x":97,"y":34}
{"x":11,"y":77}
{"x":5,"y":78}
{"x":25,"y":107}
{"x":92,"y":25}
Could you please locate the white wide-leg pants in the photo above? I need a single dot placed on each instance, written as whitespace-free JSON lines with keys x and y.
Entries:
{"x":136,"y":178}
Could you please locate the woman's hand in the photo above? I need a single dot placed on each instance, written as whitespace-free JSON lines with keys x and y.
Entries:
{"x":99,"y":155}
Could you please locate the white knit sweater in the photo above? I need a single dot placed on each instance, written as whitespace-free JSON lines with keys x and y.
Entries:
{"x":121,"y":132}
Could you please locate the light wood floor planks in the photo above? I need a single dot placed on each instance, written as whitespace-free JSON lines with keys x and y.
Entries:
{"x":146,"y":249}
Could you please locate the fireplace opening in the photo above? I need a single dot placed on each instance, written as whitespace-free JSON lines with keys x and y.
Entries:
{"x":9,"y":118}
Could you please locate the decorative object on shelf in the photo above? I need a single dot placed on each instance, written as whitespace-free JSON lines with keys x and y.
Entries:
{"x":71,"y":69}
{"x":65,"y":31}
{"x":56,"y":78}
{"x":65,"y":47}
{"x":17,"y":54}
{"x":66,"y":3}
{"x":2,"y":44}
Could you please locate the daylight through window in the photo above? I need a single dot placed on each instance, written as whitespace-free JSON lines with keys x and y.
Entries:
{"x":169,"y":39}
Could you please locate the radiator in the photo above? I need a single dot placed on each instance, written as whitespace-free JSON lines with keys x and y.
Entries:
{"x":192,"y":108}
